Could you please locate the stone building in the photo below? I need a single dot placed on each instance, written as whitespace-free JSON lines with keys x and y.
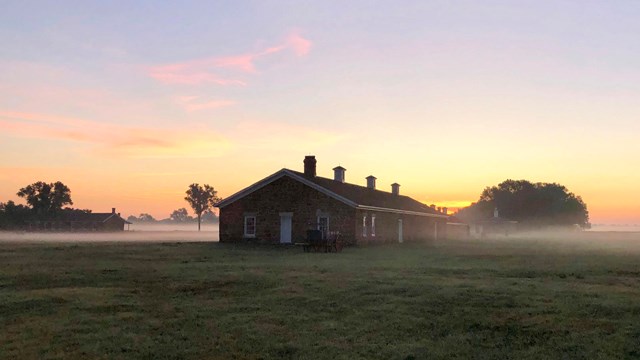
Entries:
{"x":80,"y":221}
{"x":283,"y":206}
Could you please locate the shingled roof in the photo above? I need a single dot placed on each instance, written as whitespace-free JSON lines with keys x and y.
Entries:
{"x":85,"y":217}
{"x":364,"y":196}
{"x":357,"y":196}
{"x":82,"y":217}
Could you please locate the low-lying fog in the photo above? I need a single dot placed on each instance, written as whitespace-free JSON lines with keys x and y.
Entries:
{"x":136,"y":232}
{"x":627,"y":242}
{"x":172,"y":227}
{"x":552,"y":240}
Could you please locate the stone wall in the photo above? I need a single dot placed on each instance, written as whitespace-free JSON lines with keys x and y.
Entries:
{"x":285,"y":195}
{"x":414,"y":228}
{"x":113,"y":224}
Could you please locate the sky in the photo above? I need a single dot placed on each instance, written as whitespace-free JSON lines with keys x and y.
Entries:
{"x":128,"y":103}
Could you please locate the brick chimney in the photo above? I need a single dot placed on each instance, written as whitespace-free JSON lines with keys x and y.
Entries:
{"x":338,"y":173}
{"x":395,"y":189}
{"x":371,"y":182}
{"x":445,"y":210}
{"x":310,"y":166}
{"x":113,"y":210}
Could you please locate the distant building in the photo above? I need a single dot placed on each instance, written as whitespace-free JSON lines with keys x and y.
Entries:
{"x":283,"y":206}
{"x":81,"y":221}
{"x":495,"y":226}
{"x":457,"y":229}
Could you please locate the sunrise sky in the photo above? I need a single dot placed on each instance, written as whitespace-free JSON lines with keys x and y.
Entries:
{"x":129,"y":102}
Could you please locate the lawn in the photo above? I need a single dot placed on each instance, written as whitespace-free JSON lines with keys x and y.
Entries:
{"x":457,"y":299}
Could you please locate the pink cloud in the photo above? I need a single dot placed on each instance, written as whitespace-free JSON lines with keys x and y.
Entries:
{"x":114,"y":139}
{"x":208,"y":70}
{"x":300,"y":45}
{"x":191,"y":78}
{"x":241,"y":62}
{"x":194,"y":103}
{"x":272,"y":50}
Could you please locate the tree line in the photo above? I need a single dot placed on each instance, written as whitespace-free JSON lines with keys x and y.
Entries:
{"x":531,"y":204}
{"x":178,"y":216}
{"x":49,"y":201}
{"x":45,"y":201}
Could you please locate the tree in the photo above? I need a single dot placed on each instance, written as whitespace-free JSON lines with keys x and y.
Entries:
{"x":144,"y":217}
{"x":46,"y":198}
{"x":179,"y":215}
{"x":209,"y":216}
{"x":533,"y":204}
{"x":201,"y":199}
{"x":132,"y":218}
{"x":12,"y":215}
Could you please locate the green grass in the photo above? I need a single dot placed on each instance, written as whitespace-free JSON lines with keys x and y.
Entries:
{"x":206,"y":300}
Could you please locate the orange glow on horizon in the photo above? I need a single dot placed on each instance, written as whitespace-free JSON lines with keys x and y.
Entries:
{"x":159,"y":193}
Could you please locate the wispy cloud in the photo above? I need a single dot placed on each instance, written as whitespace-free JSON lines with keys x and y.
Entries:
{"x":116,"y":140}
{"x":215,"y":70}
{"x":295,"y":136}
{"x":195,"y":103}
{"x":300,"y":45}
{"x":188,"y":76}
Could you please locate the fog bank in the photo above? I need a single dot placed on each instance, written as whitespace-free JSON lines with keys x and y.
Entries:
{"x":137,"y":233}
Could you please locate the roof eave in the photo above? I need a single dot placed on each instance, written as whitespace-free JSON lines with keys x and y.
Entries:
{"x":275,"y":176}
{"x":249,"y":189}
{"x":398,"y":211}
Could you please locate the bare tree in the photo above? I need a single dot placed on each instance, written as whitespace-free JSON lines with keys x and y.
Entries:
{"x":201,"y":199}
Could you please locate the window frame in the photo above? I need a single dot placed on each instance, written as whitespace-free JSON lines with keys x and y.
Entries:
{"x":373,"y":225}
{"x":255,"y":226}
{"x":364,"y":225}
{"x":325,"y":233}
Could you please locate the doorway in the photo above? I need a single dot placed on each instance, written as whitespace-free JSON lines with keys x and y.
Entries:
{"x":285,"y":228}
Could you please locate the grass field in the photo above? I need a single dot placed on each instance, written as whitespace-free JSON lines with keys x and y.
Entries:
{"x":457,"y":299}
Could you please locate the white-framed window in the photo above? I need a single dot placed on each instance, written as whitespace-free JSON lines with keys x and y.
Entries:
{"x":364,"y":225}
{"x":250,"y":226}
{"x":323,"y":225}
{"x":373,"y":225}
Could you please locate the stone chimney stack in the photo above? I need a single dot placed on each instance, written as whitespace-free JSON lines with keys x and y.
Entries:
{"x":113,"y":210}
{"x":338,"y":173}
{"x":371,"y":182}
{"x":310,"y":166}
{"x":395,"y":189}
